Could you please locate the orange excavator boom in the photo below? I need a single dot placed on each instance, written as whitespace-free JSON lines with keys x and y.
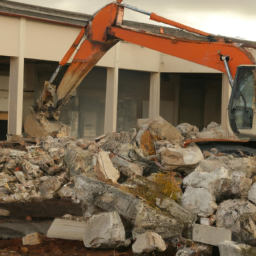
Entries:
{"x":106,"y":28}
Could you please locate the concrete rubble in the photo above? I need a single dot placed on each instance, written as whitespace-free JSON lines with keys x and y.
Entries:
{"x":148,"y":242}
{"x":131,"y":193}
{"x":235,"y":249}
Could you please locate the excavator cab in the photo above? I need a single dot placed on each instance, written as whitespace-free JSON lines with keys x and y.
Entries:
{"x":242,"y":103}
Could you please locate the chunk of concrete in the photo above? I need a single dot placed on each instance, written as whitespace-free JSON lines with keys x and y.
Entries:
{"x":160,"y":126}
{"x":104,"y":168}
{"x":148,"y":242}
{"x":212,"y":163}
{"x":175,"y":210}
{"x":127,"y":168}
{"x":238,"y":216}
{"x":173,"y":158}
{"x":244,"y":166}
{"x":105,"y":230}
{"x":217,"y":182}
{"x":210,"y":235}
{"x":188,"y":131}
{"x":228,"y":248}
{"x":205,"y":221}
{"x":240,"y":185}
{"x":67,"y":229}
{"x":213,"y":130}
{"x":4,"y":213}
{"x":79,"y":162}
{"x":149,"y":219}
{"x":21,"y":177}
{"x":199,"y":201}
{"x":32,"y":239}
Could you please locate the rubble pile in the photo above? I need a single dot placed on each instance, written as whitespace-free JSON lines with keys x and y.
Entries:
{"x":134,"y":193}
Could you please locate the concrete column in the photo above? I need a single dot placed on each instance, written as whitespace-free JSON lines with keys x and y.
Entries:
{"x":154,"y":97}
{"x":112,"y":95}
{"x":16,"y":83}
{"x":226,"y":92}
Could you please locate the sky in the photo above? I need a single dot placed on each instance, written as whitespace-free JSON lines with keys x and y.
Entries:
{"x":234,"y":18}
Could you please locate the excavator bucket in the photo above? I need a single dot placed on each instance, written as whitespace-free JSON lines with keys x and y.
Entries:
{"x":43,"y":119}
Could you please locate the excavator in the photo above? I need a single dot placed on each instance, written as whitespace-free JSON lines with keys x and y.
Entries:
{"x":234,"y":57}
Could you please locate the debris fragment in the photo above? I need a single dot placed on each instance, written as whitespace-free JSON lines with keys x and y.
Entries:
{"x":148,"y":242}
{"x":210,"y":235}
{"x":105,"y":230}
{"x":32,"y":239}
{"x":66,"y":229}
{"x":239,"y":217}
{"x":104,"y":168}
{"x":4,"y":213}
{"x":228,"y":248}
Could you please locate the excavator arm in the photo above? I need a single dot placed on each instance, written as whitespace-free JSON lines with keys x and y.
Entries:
{"x":103,"y":32}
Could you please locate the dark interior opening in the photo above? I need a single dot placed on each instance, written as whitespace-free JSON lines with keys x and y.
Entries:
{"x":3,"y":129}
{"x":215,"y":251}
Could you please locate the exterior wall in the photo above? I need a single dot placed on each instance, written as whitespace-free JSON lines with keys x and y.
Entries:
{"x":10,"y":31}
{"x":49,"y":41}
{"x":45,"y":41}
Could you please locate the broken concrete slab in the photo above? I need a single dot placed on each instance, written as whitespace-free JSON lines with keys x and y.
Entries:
{"x":127,"y":168}
{"x":199,"y":201}
{"x":161,"y":128}
{"x":148,"y":242}
{"x":176,"y":157}
{"x":240,"y":186}
{"x":67,"y":229}
{"x":134,"y":210}
{"x":210,"y":235}
{"x":32,"y":239}
{"x":228,"y":248}
{"x":149,"y":219}
{"x":104,"y":168}
{"x":105,"y":230}
{"x":218,"y":182}
{"x":238,"y":216}
{"x":245,"y":166}
{"x":176,"y":211}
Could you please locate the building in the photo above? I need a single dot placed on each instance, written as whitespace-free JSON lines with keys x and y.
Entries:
{"x":128,"y":83}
